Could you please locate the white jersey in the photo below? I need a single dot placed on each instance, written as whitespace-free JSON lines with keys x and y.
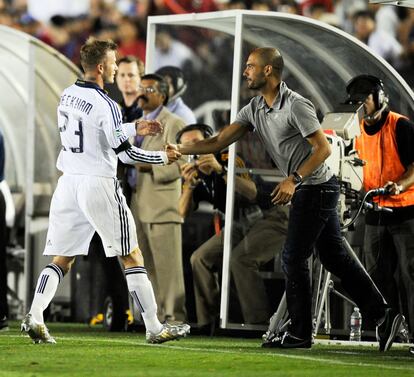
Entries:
{"x":92,"y":134}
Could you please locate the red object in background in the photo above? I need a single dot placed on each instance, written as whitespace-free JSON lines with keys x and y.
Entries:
{"x":217,"y":223}
{"x":304,"y":5}
{"x":330,"y":132}
{"x":190,"y":6}
{"x":136,"y":48}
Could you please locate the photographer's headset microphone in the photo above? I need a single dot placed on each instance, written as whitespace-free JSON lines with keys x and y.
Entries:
{"x":379,"y":111}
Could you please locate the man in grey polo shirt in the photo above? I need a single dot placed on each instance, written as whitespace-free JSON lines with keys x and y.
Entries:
{"x":288,"y":127}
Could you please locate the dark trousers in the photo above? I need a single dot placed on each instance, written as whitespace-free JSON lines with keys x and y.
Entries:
{"x":314,"y":223}
{"x":4,"y":309}
{"x":389,"y":256}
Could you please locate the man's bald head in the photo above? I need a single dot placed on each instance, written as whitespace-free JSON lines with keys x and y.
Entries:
{"x":270,"y":56}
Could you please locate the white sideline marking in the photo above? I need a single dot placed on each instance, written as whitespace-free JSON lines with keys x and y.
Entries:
{"x":272,"y":354}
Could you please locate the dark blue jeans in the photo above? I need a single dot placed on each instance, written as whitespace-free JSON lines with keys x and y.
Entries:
{"x":314,"y":223}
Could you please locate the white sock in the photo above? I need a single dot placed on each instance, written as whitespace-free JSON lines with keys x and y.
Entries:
{"x":47,"y":284}
{"x":141,"y":291}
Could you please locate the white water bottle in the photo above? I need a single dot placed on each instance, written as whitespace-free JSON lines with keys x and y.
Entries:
{"x":356,"y":324}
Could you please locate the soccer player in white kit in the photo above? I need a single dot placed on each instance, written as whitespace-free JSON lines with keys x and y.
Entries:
{"x":88,"y":197}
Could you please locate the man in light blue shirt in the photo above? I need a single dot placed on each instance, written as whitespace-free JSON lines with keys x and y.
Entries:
{"x":174,"y":76}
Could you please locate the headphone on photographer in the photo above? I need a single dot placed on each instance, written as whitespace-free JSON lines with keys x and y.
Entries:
{"x":178,"y":80}
{"x":360,"y":87}
{"x":206,"y":130}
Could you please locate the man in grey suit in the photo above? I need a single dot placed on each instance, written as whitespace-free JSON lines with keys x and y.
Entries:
{"x":155,"y":205}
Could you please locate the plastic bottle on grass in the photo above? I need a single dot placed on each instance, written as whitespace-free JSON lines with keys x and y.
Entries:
{"x":356,"y":324}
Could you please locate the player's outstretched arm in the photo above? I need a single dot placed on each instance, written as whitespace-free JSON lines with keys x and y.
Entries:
{"x":133,"y":155}
{"x":117,"y":138}
{"x":224,"y":138}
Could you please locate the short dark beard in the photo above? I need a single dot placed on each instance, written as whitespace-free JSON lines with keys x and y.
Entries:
{"x":258,"y":84}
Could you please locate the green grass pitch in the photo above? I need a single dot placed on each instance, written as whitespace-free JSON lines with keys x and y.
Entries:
{"x":89,"y":352}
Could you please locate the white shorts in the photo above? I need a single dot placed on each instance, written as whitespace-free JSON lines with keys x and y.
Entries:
{"x":84,"y":204}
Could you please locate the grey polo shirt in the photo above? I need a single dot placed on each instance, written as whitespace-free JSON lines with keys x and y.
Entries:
{"x":283,"y":129}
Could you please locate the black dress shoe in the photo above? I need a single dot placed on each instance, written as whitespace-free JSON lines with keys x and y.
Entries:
{"x":286,"y":340}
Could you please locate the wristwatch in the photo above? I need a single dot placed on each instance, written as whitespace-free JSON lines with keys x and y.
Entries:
{"x":297,"y":178}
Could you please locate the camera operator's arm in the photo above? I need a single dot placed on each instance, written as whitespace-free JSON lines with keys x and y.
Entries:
{"x":209,"y":164}
{"x":405,"y":140}
{"x":404,"y":183}
{"x":186,"y":203}
{"x":245,"y":187}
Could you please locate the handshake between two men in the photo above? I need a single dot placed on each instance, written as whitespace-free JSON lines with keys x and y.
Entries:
{"x":154,"y":127}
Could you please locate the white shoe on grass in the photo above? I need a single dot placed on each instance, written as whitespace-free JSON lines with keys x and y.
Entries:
{"x":37,"y":331}
{"x":168,"y":332}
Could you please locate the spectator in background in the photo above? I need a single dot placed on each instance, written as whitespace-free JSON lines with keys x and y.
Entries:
{"x":128,"y":78}
{"x":307,"y":5}
{"x":177,"y":83}
{"x":261,"y":5}
{"x":58,"y":36}
{"x":170,"y":51}
{"x":378,"y":41}
{"x":79,"y":29}
{"x":154,"y":205}
{"x":345,"y":9}
{"x":316,"y":10}
{"x":188,"y":6}
{"x":407,"y":40}
{"x":106,"y":19}
{"x":145,"y":8}
{"x":234,"y":4}
{"x":387,"y":19}
{"x":288,"y":6}
{"x":6,"y":18}
{"x":131,"y":39}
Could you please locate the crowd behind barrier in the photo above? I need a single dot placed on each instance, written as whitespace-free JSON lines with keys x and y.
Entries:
{"x":387,"y":30}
